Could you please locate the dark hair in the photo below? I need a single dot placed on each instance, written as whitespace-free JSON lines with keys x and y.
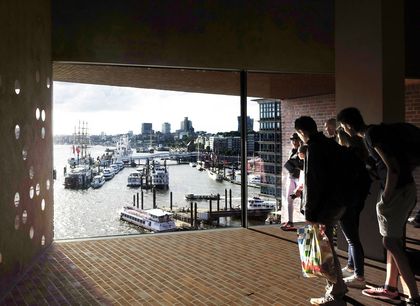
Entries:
{"x":331,"y":121}
{"x":307,"y":124}
{"x":352,"y":117}
{"x":303,"y":149}
{"x":344,"y":138}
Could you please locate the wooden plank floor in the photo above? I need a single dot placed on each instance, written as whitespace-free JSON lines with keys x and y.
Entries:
{"x":257,"y":266}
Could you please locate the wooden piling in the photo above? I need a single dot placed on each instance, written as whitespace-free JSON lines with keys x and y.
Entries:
{"x":134,"y":200}
{"x":142,"y":199}
{"x":195,"y":215}
{"x":218,"y":202}
{"x":154,"y":198}
{"x":170,"y":201}
{"x":210,"y":207}
{"x":137,"y":200}
{"x":191,"y":214}
{"x":230,"y":199}
{"x":226,"y":198}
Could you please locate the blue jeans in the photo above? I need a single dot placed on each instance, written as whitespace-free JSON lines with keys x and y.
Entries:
{"x":350,"y":226}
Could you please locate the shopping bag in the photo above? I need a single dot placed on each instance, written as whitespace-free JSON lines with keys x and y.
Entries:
{"x":316,"y":256}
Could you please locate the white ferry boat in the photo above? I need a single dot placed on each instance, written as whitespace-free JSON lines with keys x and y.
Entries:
{"x":215,"y":176}
{"x":258,"y":203}
{"x":160,"y":177}
{"x":155,"y":220}
{"x":134,"y":179}
{"x":98,"y":181}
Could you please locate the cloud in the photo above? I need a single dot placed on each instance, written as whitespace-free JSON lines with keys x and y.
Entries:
{"x":115,"y":110}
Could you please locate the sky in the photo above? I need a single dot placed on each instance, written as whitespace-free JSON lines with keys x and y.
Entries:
{"x":117,"y":110}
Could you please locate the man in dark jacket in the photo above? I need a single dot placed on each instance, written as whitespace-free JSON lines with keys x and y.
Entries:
{"x":322,"y":204}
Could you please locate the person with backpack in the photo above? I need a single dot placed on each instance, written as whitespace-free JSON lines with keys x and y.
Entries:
{"x":356,"y":155}
{"x":293,"y":166}
{"x":322,"y":203}
{"x":394,"y":162}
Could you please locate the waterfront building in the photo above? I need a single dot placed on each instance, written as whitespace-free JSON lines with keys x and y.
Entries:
{"x":166,"y":128}
{"x":270,"y":149}
{"x":249,"y":123}
{"x":146,"y":128}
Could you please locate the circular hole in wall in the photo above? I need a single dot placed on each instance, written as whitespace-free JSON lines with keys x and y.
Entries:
{"x":24,"y":154}
{"x":48,"y":184}
{"x":17,"y":87}
{"x":31,"y":172}
{"x":17,"y":131}
{"x":17,"y":222}
{"x":43,"y":115}
{"x":37,"y":113}
{"x":37,"y":76}
{"x":31,"y":232}
{"x":43,"y":204}
{"x":37,"y":189}
{"x":31,"y":192}
{"x":1,"y":258}
{"x":24,"y":216}
{"x":17,"y":199}
{"x":42,"y":132}
{"x":43,"y":240}
{"x":48,"y":82}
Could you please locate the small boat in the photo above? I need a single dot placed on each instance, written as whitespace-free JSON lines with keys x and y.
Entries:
{"x":134,"y":179}
{"x":115,"y":168}
{"x":215,"y":176}
{"x":108,"y":174}
{"x":258,"y":203}
{"x":98,"y":181}
{"x":155,"y":220}
{"x":191,"y":196}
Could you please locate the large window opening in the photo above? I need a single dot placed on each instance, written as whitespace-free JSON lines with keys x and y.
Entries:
{"x":120,"y":152}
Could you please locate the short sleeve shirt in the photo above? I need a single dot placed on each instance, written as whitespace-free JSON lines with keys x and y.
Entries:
{"x":381,"y":136}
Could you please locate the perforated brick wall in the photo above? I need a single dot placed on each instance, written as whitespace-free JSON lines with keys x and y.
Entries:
{"x":26,"y":197}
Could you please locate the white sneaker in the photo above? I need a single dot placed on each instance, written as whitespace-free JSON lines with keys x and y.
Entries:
{"x":347,"y":272}
{"x":355,"y":282}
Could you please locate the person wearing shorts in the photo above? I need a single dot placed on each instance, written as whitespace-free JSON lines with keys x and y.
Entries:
{"x":398,"y":198}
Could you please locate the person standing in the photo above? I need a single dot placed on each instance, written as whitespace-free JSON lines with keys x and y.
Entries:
{"x":398,"y":198}
{"x":321,"y":201}
{"x":356,"y":155}
{"x":330,"y":127}
{"x":293,"y":165}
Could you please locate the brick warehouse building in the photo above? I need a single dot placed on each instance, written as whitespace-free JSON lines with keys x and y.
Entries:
{"x":315,"y":56}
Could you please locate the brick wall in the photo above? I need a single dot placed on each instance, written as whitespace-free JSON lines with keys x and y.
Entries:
{"x":323,"y":107}
{"x":412,"y":115}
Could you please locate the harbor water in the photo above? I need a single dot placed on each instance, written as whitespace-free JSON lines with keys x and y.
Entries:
{"x":95,"y":212}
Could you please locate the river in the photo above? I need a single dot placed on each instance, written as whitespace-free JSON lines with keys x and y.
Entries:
{"x":95,"y":212}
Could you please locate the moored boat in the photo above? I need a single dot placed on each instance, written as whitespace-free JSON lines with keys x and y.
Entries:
{"x":134,"y":179}
{"x":191,"y":196}
{"x":155,"y":220}
{"x":78,"y":177}
{"x":215,"y":176}
{"x":108,"y":174}
{"x":98,"y":181}
{"x":160,"y":177}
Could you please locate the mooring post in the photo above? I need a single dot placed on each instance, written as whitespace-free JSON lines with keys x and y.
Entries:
{"x":170,"y":201}
{"x":154,"y":198}
{"x":142,"y":199}
{"x":226,"y":199}
{"x":195,"y":215}
{"x":210,"y":207}
{"x":134,"y":200}
{"x":218,"y":202}
{"x":230,"y":199}
{"x":137,"y":200}
{"x":191,"y":214}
